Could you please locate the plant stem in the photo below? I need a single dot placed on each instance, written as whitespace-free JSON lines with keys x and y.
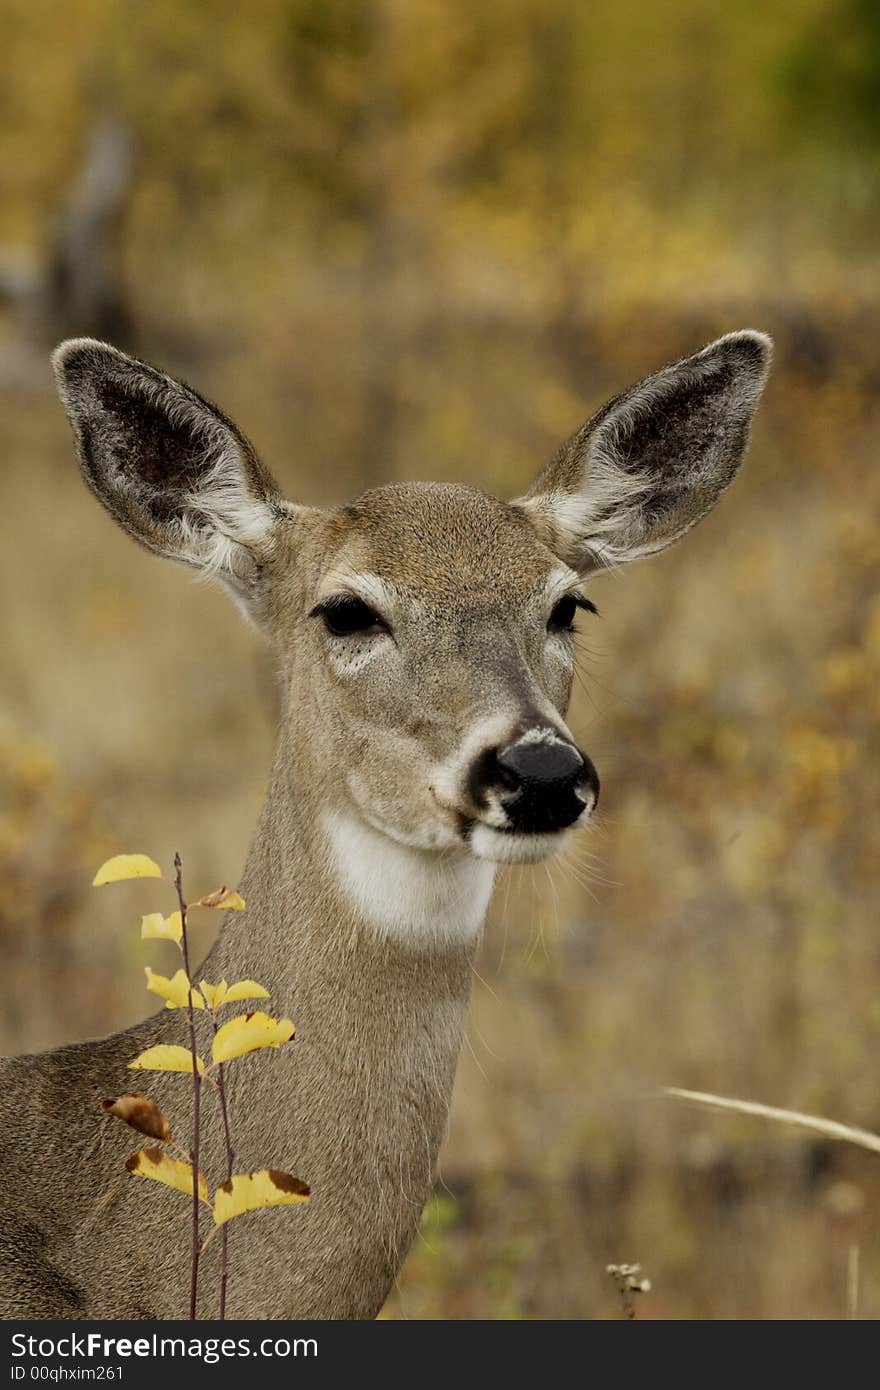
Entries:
{"x":230,"y":1159}
{"x":197,"y":1090}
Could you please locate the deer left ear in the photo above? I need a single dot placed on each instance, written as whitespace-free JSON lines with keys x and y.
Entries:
{"x":170,"y":467}
{"x":655,"y":460}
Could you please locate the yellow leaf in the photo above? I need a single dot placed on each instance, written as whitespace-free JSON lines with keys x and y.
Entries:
{"x":245,"y":989}
{"x":225,"y":898}
{"x":175,"y":991}
{"x":139,"y":1112}
{"x":213,"y":994}
{"x":248,"y":1033}
{"x":156,"y":927}
{"x":223,"y":993}
{"x":123,"y":866}
{"x":166,"y":1057}
{"x":250,"y":1191}
{"x":155,"y":1164}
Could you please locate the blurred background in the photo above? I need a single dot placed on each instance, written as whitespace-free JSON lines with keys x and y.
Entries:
{"x":425,"y":238}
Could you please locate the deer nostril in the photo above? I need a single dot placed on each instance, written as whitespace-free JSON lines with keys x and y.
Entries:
{"x":503,"y":776}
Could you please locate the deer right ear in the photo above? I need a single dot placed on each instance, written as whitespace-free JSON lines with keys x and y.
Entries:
{"x":655,"y":460}
{"x":169,"y":466}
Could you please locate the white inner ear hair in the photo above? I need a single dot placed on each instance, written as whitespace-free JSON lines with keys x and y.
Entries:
{"x":605,"y":517}
{"x":604,"y":521}
{"x":222,"y":523}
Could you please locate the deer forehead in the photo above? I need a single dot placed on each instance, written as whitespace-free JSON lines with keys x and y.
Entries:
{"x":439,"y":543}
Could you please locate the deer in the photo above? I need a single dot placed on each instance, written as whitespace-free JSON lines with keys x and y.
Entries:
{"x":423,"y":639}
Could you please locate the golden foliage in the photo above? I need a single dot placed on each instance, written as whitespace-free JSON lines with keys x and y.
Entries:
{"x":217,"y":995}
{"x":250,"y":1191}
{"x":175,"y":991}
{"x":249,"y":1033}
{"x":155,"y":927}
{"x":227,"y":899}
{"x":125,"y":866}
{"x":166,"y":1057}
{"x":172,"y":1172}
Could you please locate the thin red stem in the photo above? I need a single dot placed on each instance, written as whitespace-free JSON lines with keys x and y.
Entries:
{"x":197,"y":1090}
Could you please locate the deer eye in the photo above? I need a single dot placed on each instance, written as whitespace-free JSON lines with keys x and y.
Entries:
{"x":562,"y":617}
{"x":344,"y":615}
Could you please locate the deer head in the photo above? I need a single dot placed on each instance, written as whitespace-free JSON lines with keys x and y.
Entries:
{"x":424,"y":632}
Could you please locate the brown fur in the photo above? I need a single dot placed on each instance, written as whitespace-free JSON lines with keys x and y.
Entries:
{"x":371,"y":728}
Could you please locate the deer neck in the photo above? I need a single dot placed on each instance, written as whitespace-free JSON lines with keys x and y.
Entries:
{"x":324,"y":887}
{"x":339,"y":928}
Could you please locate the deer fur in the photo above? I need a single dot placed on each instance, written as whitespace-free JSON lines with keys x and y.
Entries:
{"x":373,"y":860}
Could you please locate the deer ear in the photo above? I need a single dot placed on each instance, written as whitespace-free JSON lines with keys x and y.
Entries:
{"x":169,"y":466}
{"x":655,"y":460}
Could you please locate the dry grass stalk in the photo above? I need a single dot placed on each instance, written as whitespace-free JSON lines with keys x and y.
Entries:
{"x":832,"y":1129}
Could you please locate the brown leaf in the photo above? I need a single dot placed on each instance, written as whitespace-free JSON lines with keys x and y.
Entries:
{"x":141,"y":1113}
{"x":224,"y":897}
{"x":288,"y":1183}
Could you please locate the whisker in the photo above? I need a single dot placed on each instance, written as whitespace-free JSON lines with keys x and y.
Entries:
{"x":477,"y":1063}
{"x":486,"y":984}
{"x":566,"y":868}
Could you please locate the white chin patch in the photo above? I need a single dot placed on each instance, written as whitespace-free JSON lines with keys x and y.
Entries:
{"x":420,"y":897}
{"x":503,"y":847}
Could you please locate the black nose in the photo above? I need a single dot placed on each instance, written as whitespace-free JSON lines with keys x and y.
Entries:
{"x":543,"y":783}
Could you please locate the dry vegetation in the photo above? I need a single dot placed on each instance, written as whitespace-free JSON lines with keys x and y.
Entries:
{"x":381,"y":268}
